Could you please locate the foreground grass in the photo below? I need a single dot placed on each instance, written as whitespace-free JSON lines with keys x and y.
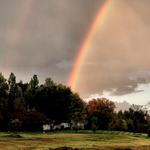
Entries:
{"x":83,"y":140}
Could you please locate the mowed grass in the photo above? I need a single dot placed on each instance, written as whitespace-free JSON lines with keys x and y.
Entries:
{"x":83,"y":139}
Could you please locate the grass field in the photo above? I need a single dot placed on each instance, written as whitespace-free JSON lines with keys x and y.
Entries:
{"x":83,"y":140}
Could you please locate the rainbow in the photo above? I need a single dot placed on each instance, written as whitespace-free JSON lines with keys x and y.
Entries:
{"x":83,"y":51}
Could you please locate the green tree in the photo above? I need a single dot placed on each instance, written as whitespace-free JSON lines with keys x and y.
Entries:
{"x":49,"y":82}
{"x":118,"y":123}
{"x":23,"y":87}
{"x":31,"y":92}
{"x":136,"y":118}
{"x":3,"y":93}
{"x":34,"y":83}
{"x":19,"y":105}
{"x":3,"y":102}
{"x":77,"y":109}
{"x":58,"y":103}
{"x":12,"y":84}
{"x":94,"y":123}
{"x":12,"y":91}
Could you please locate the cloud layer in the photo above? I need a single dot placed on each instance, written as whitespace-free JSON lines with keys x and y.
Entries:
{"x":52,"y":32}
{"x":120,"y":55}
{"x":50,"y":35}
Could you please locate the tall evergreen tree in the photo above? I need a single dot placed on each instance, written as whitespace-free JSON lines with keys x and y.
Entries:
{"x":12,"y":91}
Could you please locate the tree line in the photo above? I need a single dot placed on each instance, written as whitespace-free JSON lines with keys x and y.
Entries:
{"x":101,"y":115}
{"x":27,"y":106}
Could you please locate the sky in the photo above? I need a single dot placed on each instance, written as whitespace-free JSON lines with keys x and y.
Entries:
{"x":44,"y":38}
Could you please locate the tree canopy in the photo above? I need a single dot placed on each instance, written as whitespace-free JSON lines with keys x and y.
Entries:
{"x":52,"y":102}
{"x":27,"y":106}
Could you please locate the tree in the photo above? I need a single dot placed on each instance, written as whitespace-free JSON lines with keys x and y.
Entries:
{"x":12,"y":84}
{"x":23,"y":87}
{"x":28,"y":121}
{"x":58,"y":103}
{"x":3,"y":86}
{"x":33,"y":121}
{"x":118,"y":123}
{"x":34,"y":83}
{"x":15,"y":125}
{"x":94,"y":123}
{"x":136,"y":118}
{"x":49,"y":82}
{"x":3,"y":93}
{"x":103,"y":110}
{"x":31,"y":92}
{"x":77,"y":108}
{"x":12,"y":91}
{"x":19,"y":105}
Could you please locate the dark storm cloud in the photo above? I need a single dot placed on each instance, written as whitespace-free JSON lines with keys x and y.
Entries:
{"x":52,"y":34}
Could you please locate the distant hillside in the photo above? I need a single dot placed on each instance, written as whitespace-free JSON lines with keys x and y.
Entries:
{"x":122,"y":106}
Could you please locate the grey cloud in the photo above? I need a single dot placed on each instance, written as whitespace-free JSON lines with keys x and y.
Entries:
{"x":64,"y":64}
{"x":126,"y":90}
{"x":52,"y":32}
{"x":119,"y":57}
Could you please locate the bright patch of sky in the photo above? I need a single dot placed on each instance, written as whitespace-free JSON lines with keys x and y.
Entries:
{"x":141,"y":97}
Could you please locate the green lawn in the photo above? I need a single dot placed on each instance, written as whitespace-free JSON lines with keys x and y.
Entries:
{"x":84,"y":140}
